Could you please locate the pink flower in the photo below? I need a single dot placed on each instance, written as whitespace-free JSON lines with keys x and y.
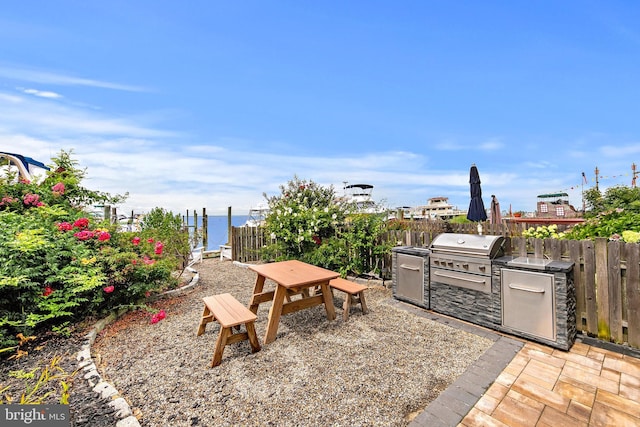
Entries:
{"x":103,"y":236}
{"x":159,"y":247}
{"x":7,"y":200}
{"x":64,"y":226}
{"x":150,"y":240}
{"x":84,"y":235}
{"x":81,"y":223}
{"x":48,"y":290}
{"x":58,"y":189}
{"x":148,"y":260}
{"x":24,"y":181}
{"x":134,"y":261}
{"x":109,"y":289}
{"x":154,"y":319}
{"x":135,"y":241}
{"x":31,"y":199}
{"x":161,"y":314}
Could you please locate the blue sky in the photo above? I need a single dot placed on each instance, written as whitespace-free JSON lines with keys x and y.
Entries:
{"x":210,"y":104}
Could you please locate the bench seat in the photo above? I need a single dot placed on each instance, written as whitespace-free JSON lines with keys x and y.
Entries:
{"x":228,"y":311}
{"x":354,"y":294}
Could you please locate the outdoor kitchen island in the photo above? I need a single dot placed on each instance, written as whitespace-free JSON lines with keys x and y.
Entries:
{"x":467,"y":276}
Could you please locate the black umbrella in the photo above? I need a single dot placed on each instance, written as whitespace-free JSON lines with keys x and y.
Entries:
{"x":476,"y":206}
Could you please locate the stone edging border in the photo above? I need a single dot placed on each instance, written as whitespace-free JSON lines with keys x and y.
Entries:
{"x":103,"y":389}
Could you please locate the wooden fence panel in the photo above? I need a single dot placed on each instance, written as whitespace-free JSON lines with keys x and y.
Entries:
{"x":602,"y":289}
{"x":632,"y":255}
{"x":589,"y":254}
{"x":578,"y":280}
{"x":615,"y":290}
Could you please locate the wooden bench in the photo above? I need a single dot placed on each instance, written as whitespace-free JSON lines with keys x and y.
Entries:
{"x":355,"y":294}
{"x":225,"y":309}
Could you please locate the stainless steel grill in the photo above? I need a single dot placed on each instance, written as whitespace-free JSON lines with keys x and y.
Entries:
{"x":464,"y":260}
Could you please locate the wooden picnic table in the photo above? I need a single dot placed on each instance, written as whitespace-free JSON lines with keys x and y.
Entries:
{"x":291,"y":277}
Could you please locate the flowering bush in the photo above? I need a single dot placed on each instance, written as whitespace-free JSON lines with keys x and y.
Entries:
{"x":543,"y":232}
{"x":308,"y":223}
{"x":58,"y":265}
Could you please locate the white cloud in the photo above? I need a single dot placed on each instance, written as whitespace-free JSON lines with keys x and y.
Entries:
{"x":42,"y":94}
{"x":46,"y":77}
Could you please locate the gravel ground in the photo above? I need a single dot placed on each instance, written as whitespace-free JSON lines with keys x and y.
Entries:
{"x":381,"y":368}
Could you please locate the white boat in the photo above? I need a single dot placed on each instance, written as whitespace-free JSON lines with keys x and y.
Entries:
{"x":257,"y":215}
{"x":436,"y":208}
{"x":359,"y":197}
{"x":22,"y":167}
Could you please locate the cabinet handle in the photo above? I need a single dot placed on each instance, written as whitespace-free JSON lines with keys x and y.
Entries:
{"x":466,"y":279}
{"x":524,"y":288}
{"x":409,"y":267}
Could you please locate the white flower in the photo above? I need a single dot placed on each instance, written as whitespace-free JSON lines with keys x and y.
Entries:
{"x":273,"y":235}
{"x":334,"y":216}
{"x":326,"y":210}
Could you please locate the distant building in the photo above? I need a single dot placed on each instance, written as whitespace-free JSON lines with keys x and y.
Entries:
{"x":555,"y":205}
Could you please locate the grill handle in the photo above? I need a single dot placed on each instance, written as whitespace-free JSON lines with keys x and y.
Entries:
{"x":524,"y":288}
{"x":467,"y":279}
{"x":409,"y":267}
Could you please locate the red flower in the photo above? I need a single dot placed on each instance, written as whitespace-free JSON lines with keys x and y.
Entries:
{"x":81,"y":223}
{"x":134,"y":262}
{"x":161,"y":314}
{"x":159,"y":247}
{"x":48,"y":290}
{"x":84,"y":235}
{"x":317,"y":239}
{"x":109,"y":289}
{"x":150,"y":240}
{"x":135,"y":241}
{"x":154,"y":319}
{"x":64,"y":226}
{"x":104,"y":236}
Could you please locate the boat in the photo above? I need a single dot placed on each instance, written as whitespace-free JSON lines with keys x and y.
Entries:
{"x":436,"y":208}
{"x":358,"y":196}
{"x":22,"y":167}
{"x":257,"y":215}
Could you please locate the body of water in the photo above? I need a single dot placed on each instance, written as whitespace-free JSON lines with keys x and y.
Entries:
{"x":217,"y":227}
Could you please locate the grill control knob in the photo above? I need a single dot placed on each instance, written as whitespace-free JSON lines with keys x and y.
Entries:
{"x":465,"y":266}
{"x":482,"y":268}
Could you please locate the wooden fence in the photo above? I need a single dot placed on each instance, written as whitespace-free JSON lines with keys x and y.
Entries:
{"x":606,"y":273}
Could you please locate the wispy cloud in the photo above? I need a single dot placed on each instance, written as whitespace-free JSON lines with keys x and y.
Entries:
{"x":39,"y":115}
{"x":47,"y":77}
{"x":42,"y":93}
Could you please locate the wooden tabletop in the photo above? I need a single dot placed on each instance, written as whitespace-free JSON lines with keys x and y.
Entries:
{"x":293,"y":273}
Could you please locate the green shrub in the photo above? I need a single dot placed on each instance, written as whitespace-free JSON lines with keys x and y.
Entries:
{"x":307,"y":222}
{"x":59,"y":265}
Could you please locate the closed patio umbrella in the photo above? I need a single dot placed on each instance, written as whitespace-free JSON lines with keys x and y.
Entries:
{"x":476,"y":210}
{"x":496,"y":216}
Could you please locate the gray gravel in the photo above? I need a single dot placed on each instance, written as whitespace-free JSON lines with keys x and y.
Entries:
{"x":381,"y":368}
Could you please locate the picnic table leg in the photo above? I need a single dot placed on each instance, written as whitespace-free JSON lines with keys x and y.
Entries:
{"x":257,"y":289}
{"x":274,"y":314}
{"x":328,"y":301}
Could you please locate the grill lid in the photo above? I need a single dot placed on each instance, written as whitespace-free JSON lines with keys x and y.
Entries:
{"x":467,"y":244}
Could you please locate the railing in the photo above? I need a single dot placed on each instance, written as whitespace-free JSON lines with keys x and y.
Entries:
{"x":606,"y":273}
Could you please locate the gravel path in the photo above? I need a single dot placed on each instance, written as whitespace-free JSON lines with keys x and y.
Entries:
{"x":381,"y":368}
